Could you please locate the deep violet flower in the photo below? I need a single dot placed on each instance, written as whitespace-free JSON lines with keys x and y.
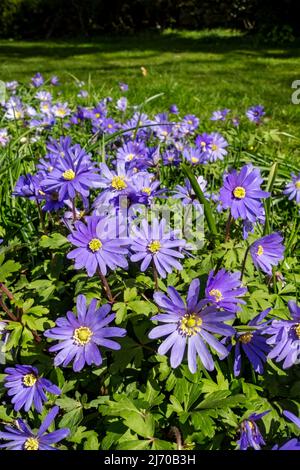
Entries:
{"x":21,"y":437}
{"x":255,"y":113}
{"x":250,"y":434}
{"x":99,"y":244}
{"x":190,"y":324}
{"x":27,"y":388}
{"x":268,"y":251}
{"x":292,"y":189}
{"x":242,"y":194}
{"x":80,"y":337}
{"x":154,"y":243}
{"x":224,"y":290}
{"x":285,"y":338}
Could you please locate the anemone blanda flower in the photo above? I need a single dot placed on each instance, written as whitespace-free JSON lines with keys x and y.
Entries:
{"x":123,"y":86}
{"x":4,"y":137}
{"x":217,"y":149}
{"x":193,"y":155}
{"x":292,"y":418}
{"x":250,"y":434}
{"x":224,"y":290}
{"x":80,"y":337}
{"x":130,"y":151}
{"x":173,"y":109}
{"x":99,"y":244}
{"x":242,"y":194}
{"x":255,"y":113}
{"x":220,"y":115}
{"x":187,"y":195}
{"x":268,"y":251}
{"x":37,"y":80}
{"x":292,"y":189}
{"x":154,"y":243}
{"x":70,"y":176}
{"x":28,"y":186}
{"x":27,"y":388}
{"x":292,"y":444}
{"x":190,"y":324}
{"x":253,"y":344}
{"x":61,"y":110}
{"x":285,"y":338}
{"x":21,"y":437}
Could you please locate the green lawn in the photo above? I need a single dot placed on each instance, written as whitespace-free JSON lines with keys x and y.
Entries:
{"x":200,"y":71}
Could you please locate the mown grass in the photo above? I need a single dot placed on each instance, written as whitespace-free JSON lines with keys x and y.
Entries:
{"x":200,"y":71}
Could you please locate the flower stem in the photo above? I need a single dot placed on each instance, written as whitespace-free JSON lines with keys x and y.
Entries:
{"x":155,"y":276}
{"x":106,"y":287}
{"x":228,"y":225}
{"x":244,"y":262}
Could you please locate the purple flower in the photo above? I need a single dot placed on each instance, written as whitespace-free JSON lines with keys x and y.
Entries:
{"x":171,"y":157}
{"x":4,"y":137}
{"x":203,"y":141}
{"x":250,"y":434}
{"x":98,"y":245}
{"x":187,"y":195}
{"x":268,"y":251}
{"x":292,"y":444}
{"x":61,"y":110}
{"x":190,"y":324}
{"x":224,"y":290}
{"x":21,"y":437}
{"x":285,"y":338}
{"x":242,"y":194}
{"x":217,"y":148}
{"x":37,"y":80}
{"x":254,"y":344}
{"x":122,"y":104}
{"x":193,"y":155}
{"x":255,"y":113}
{"x":80,"y":337}
{"x":54,"y":80}
{"x":292,"y":418}
{"x":28,"y":186}
{"x":27,"y":388}
{"x":123,"y":87}
{"x":153,"y":243}
{"x":173,"y":109}
{"x":71,"y":175}
{"x":189,"y":123}
{"x":130,"y":152}
{"x":220,"y":115}
{"x":292,"y":189}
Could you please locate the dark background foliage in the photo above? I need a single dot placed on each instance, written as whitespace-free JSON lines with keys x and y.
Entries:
{"x":65,"y":18}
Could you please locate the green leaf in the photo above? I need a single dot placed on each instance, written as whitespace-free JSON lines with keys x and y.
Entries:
{"x":53,"y":241}
{"x":8,"y":268}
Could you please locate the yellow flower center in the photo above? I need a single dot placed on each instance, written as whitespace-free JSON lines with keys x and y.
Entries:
{"x":82,"y":335}
{"x":246,"y":338}
{"x":239,"y":192}
{"x":190,"y":121}
{"x":97,"y":115}
{"x":297,"y":184}
{"x":31,"y":443}
{"x":50,"y":168}
{"x":109,"y":126}
{"x":194,"y":160}
{"x":297,"y":329}
{"x":190,"y":324}
{"x":214,"y":147}
{"x":95,"y":244}
{"x":130,"y":157}
{"x":154,"y":246}
{"x":260,"y":250}
{"x":61,"y":112}
{"x":68,"y":175}
{"x":118,"y":183}
{"x":18,"y":114}
{"x":29,"y":380}
{"x":216,"y":294}
{"x":203,"y":144}
{"x":146,"y":190}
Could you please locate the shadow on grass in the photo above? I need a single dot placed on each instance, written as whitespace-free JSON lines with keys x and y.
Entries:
{"x":171,"y":42}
